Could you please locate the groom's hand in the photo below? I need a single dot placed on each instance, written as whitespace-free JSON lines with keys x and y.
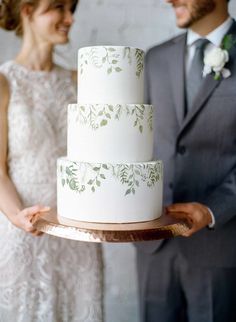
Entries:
{"x":196,"y":215}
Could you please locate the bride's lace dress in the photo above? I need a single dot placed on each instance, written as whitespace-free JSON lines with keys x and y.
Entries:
{"x":44,"y":278}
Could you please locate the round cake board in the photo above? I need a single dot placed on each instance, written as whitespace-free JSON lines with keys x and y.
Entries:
{"x":161,"y":228}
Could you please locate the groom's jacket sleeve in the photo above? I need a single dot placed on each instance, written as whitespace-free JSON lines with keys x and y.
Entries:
{"x":222,"y":200}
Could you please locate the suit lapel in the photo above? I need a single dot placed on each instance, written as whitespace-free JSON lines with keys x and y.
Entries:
{"x":177,"y":71}
{"x":207,"y":89}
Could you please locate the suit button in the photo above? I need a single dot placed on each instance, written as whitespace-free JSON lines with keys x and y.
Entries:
{"x":171,"y":185}
{"x":181,"y":149}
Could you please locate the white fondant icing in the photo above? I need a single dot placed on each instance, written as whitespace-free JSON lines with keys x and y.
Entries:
{"x":110,"y":75}
{"x":110,"y":133}
{"x":106,"y":177}
{"x":109,"y":193}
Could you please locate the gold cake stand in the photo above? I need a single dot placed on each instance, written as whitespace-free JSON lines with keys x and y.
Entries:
{"x":161,"y":228}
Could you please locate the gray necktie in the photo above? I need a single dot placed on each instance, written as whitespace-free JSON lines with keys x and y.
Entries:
{"x":194,"y":76}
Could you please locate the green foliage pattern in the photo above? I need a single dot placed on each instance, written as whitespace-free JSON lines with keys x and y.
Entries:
{"x":110,"y":59}
{"x":81,"y":177}
{"x":97,"y":116}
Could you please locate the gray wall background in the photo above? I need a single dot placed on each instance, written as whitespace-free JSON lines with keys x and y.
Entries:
{"x":138,"y":23}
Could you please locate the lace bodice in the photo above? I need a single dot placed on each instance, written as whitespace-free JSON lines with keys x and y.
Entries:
{"x":37,"y":117}
{"x":44,"y":279}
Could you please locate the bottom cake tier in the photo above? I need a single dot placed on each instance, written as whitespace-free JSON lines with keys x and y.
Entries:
{"x":109,"y":193}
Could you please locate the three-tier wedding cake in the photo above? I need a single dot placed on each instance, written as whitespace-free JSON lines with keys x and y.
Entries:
{"x":108,"y":175}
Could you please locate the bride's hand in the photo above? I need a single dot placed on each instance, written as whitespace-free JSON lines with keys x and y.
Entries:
{"x":25,"y":218}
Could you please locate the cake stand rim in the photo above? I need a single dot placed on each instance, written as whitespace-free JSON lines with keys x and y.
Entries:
{"x":92,"y":234}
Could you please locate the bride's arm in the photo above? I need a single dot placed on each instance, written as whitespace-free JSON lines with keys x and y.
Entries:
{"x":74,"y":76}
{"x":9,"y":200}
{"x":10,"y":203}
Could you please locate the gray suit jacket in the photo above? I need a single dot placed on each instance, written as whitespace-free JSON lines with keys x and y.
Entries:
{"x":198,"y":151}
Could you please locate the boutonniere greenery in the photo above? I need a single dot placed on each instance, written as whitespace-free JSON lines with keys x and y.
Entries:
{"x":216,"y":59}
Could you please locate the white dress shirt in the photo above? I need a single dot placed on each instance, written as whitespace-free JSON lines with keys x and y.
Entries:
{"x":215,"y":39}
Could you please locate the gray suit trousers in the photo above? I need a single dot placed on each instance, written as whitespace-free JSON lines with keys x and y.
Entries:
{"x":167,"y":281}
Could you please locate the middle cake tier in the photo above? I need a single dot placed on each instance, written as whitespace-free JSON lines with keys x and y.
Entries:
{"x":110,"y":133}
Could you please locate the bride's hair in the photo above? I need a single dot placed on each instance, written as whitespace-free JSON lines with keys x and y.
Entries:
{"x":10,"y":13}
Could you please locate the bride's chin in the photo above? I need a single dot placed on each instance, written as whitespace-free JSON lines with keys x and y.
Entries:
{"x":62,"y":41}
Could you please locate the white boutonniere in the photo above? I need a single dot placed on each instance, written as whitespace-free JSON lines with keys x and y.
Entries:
{"x":216,"y":59}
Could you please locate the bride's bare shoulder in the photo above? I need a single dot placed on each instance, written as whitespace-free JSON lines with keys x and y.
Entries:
{"x":3,"y":80}
{"x":4,"y":90}
{"x":74,"y":75}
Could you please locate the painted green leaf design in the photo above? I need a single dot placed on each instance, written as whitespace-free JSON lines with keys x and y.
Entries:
{"x":128,"y":192}
{"x":140,"y":63}
{"x":73,"y":184}
{"x":150,"y":119}
{"x":68,"y":171}
{"x":103,"y":122}
{"x":112,"y":58}
{"x":129,"y":175}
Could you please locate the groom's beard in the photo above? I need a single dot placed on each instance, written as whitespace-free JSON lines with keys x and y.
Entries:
{"x":197,"y":9}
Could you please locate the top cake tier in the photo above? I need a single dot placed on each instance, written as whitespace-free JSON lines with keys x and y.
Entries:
{"x":110,"y":75}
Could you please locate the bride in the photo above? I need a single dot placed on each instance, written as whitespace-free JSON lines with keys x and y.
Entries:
{"x":42,"y":278}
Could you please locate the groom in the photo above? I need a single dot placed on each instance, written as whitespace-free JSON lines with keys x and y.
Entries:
{"x":194,"y":279}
